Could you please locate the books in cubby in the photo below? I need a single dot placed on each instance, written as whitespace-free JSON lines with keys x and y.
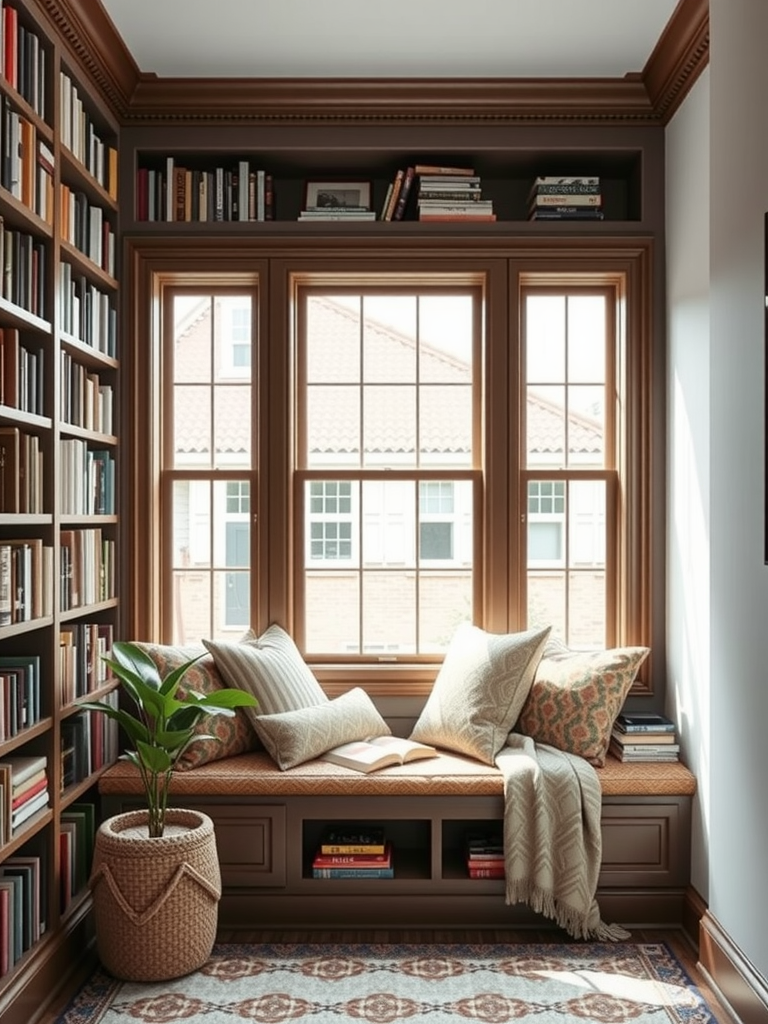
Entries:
{"x":172,"y":192}
{"x":644,"y":737}
{"x":484,"y":854}
{"x":83,"y":646}
{"x":553,"y":197}
{"x":21,"y":373}
{"x":21,"y":472}
{"x":24,"y":790}
{"x":451,"y":194}
{"x":19,"y":693}
{"x":353,"y":851}
{"x":78,"y":829}
{"x":26,"y":576}
{"x":22,"y":907}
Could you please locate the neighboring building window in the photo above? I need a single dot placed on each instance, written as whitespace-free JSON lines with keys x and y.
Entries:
{"x":330,"y":521}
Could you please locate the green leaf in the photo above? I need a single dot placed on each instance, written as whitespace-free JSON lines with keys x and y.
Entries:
{"x":155,"y":759}
{"x":229,"y":699}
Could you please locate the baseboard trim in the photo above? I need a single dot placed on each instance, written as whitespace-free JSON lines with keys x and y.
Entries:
{"x":739,"y":986}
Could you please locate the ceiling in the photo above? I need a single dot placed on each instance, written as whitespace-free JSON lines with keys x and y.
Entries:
{"x":416,"y":39}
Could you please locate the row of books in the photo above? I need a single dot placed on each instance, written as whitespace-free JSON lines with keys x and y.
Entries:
{"x":21,"y":472}
{"x":359,"y":851}
{"x":22,"y":908}
{"x":26,"y":576}
{"x":86,"y":568}
{"x":484,"y":854}
{"x":27,"y":164}
{"x":23,"y":791}
{"x":176,"y":193}
{"x":79,"y":134}
{"x":23,"y":260}
{"x":89,"y":740}
{"x":644,"y":737}
{"x":76,"y":838}
{"x":86,"y":400}
{"x":84,"y":225}
{"x":83,"y":646}
{"x":21,"y":373}
{"x":20,"y":705}
{"x":23,"y":59}
{"x":565,"y":198}
{"x":87,"y":479}
{"x":87,"y":313}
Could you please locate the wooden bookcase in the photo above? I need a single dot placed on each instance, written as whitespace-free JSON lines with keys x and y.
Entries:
{"x":59,"y":404}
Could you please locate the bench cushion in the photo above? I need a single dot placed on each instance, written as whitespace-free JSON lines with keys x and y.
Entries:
{"x":256,"y":774}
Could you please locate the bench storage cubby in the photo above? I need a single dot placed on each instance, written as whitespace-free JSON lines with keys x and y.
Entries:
{"x":268,"y":825}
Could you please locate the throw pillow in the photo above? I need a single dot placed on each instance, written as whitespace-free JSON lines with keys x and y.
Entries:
{"x":271,"y":668}
{"x":576,"y":696}
{"x":479,"y":691}
{"x":232,"y":734}
{"x":294,"y":737}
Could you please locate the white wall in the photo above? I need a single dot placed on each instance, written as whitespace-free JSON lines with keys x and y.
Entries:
{"x":688,"y":448}
{"x":726,"y":627}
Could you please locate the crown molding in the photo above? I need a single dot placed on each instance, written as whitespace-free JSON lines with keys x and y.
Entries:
{"x":640,"y":98}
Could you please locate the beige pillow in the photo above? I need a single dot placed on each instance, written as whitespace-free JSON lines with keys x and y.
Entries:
{"x":232,"y":734}
{"x":271,"y":668}
{"x":576,"y":696}
{"x":297,"y":736}
{"x":479,"y":691}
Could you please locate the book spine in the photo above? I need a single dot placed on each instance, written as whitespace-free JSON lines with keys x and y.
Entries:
{"x":353,"y":872}
{"x":644,"y":728}
{"x":352,"y":848}
{"x":567,"y":188}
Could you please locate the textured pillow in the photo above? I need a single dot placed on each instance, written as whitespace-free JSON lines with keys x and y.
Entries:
{"x":297,"y":736}
{"x":271,"y":668}
{"x":479,"y":691}
{"x":234,"y":734}
{"x":576,"y":696}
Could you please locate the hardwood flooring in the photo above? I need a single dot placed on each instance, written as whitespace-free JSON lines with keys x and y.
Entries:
{"x":677,"y":940}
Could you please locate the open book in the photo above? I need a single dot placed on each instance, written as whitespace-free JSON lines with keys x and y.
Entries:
{"x":379,"y":752}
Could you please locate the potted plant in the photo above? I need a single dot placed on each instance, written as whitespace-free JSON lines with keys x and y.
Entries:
{"x":155,"y":879}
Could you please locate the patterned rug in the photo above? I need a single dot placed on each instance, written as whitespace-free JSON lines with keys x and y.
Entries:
{"x":414,"y":984}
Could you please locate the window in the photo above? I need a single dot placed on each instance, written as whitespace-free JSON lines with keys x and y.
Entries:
{"x":387,"y":412}
{"x":207,"y":465}
{"x":412,"y":443}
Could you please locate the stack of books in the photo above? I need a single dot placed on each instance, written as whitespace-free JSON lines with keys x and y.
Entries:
{"x":485,"y":855}
{"x":451,"y":194}
{"x":359,"y":851}
{"x":23,"y":790}
{"x":558,"y":198}
{"x":644,"y":737}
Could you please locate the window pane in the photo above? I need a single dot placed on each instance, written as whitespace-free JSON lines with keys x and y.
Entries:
{"x":192,"y":427}
{"x":445,"y":426}
{"x":586,"y":426}
{"x":389,"y":425}
{"x":332,"y":602}
{"x":333,"y":339}
{"x":192,"y":326}
{"x":389,"y":353}
{"x":231,"y":337}
{"x":586,"y":610}
{"x":232,"y":427}
{"x":586,"y":339}
{"x":389,"y":612}
{"x":445,"y":601}
{"x":446,"y":329}
{"x":333,"y":426}
{"x":546,"y":602}
{"x":545,"y":339}
{"x":191,"y":524}
{"x":545,"y":427}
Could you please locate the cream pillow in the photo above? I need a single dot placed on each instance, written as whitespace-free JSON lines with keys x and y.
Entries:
{"x":271,"y":668}
{"x":297,"y":736}
{"x":479,"y":691}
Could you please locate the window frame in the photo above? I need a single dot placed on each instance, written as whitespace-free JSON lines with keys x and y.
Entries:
{"x":275,"y":265}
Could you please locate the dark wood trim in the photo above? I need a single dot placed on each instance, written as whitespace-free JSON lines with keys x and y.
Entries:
{"x":639,"y":98}
{"x":737,"y":982}
{"x":679,"y":57}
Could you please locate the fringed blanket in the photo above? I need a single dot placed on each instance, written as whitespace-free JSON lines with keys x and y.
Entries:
{"x":552,"y":839}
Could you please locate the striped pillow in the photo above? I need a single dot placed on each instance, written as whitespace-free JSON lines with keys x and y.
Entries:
{"x":271,"y":668}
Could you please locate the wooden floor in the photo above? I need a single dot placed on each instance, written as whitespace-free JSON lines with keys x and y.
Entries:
{"x":675,"y":939}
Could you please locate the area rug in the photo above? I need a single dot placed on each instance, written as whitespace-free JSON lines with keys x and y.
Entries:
{"x":605,"y":983}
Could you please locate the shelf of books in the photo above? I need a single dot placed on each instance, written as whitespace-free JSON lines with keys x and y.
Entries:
{"x":297,"y":181}
{"x":58,"y":511}
{"x":360,"y":852}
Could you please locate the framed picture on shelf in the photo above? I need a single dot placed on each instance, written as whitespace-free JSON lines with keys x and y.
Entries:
{"x":337,"y":195}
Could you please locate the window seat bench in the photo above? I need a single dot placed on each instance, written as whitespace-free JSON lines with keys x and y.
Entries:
{"x":268,"y":823}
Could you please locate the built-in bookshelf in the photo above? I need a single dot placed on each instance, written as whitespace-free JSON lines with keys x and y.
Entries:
{"x":58,"y":495}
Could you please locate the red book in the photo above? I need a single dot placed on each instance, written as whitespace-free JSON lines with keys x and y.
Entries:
{"x":30,"y":792}
{"x":354,"y":860}
{"x":490,"y":871}
{"x":11,"y":43}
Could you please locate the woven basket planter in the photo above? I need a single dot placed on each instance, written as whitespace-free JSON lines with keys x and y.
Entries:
{"x":155,"y":900}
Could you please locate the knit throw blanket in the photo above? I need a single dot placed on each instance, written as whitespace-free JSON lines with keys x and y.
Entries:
{"x":552,"y":839}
